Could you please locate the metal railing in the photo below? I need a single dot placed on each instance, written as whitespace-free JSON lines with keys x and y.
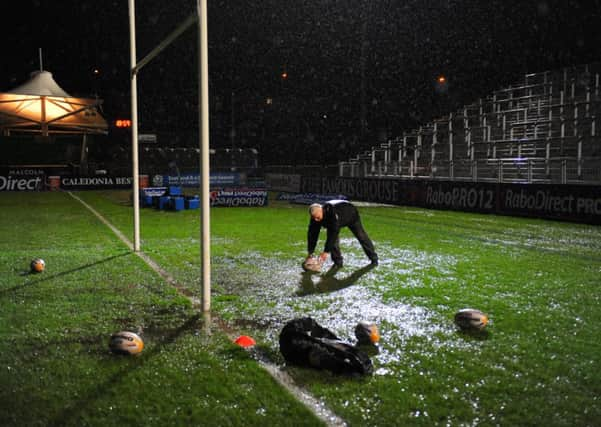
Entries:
{"x":543,"y":129}
{"x":560,"y":170}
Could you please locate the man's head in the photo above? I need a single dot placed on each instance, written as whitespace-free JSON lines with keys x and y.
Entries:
{"x":316,"y":212}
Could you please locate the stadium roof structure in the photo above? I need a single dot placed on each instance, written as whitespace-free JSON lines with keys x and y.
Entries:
{"x":41,"y":106}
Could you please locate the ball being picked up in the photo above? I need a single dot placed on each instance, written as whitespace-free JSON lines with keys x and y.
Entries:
{"x":312,"y":264}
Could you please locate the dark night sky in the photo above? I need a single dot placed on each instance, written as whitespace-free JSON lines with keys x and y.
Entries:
{"x":394,"y":48}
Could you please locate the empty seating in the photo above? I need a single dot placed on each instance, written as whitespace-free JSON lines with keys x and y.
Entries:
{"x":541,"y":129}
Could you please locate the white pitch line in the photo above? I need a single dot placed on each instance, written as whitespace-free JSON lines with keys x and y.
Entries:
{"x":114,"y":229}
{"x":317,"y":407}
{"x":149,"y":261}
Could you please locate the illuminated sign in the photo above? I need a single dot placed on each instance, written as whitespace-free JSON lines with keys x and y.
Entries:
{"x":123,"y":123}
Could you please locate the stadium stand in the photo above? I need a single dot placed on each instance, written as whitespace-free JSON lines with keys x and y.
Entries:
{"x":542,"y":129}
{"x":186,"y":159}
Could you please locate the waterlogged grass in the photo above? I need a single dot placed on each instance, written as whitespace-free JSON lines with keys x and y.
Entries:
{"x":55,"y":365}
{"x":537,"y":363}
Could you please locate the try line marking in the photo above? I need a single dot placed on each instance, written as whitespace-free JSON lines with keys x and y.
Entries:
{"x":317,"y":407}
{"x":153,"y":265}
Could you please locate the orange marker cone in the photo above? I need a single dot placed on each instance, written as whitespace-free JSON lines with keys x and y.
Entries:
{"x":245,"y":341}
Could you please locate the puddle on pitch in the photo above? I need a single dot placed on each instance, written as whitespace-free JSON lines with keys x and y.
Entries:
{"x":276,"y":292}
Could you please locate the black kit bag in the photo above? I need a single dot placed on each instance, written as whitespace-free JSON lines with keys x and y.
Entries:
{"x":304,"y":342}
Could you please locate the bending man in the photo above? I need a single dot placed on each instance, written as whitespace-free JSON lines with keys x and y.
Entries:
{"x":334,"y":215}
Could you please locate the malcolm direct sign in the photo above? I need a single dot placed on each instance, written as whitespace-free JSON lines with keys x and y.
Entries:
{"x":21,"y":180}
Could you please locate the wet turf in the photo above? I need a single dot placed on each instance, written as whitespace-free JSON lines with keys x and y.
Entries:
{"x":536,"y":363}
{"x":56,"y":367}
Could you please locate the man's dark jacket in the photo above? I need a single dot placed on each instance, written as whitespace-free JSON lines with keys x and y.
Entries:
{"x":336,"y":214}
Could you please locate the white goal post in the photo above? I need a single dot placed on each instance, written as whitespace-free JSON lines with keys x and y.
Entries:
{"x":200,"y":17}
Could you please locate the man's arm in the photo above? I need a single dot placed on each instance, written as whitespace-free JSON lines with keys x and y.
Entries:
{"x":312,"y":236}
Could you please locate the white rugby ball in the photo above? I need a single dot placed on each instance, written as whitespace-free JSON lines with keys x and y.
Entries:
{"x":470,"y":318}
{"x":125,"y":342}
{"x":312,"y":264}
{"x":37,"y":265}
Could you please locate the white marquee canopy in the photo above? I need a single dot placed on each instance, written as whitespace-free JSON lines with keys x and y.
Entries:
{"x":40,"y":105}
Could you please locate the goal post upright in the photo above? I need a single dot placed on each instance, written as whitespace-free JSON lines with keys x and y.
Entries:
{"x":200,"y":16}
{"x":203,"y":88}
{"x":134,"y":124}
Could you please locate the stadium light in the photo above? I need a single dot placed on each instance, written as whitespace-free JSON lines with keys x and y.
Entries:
{"x":442,"y":84}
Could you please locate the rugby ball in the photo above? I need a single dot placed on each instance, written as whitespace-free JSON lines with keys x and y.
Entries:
{"x":312,"y":264}
{"x":367,"y":333}
{"x":470,"y":318}
{"x":37,"y":265}
{"x":125,"y":342}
